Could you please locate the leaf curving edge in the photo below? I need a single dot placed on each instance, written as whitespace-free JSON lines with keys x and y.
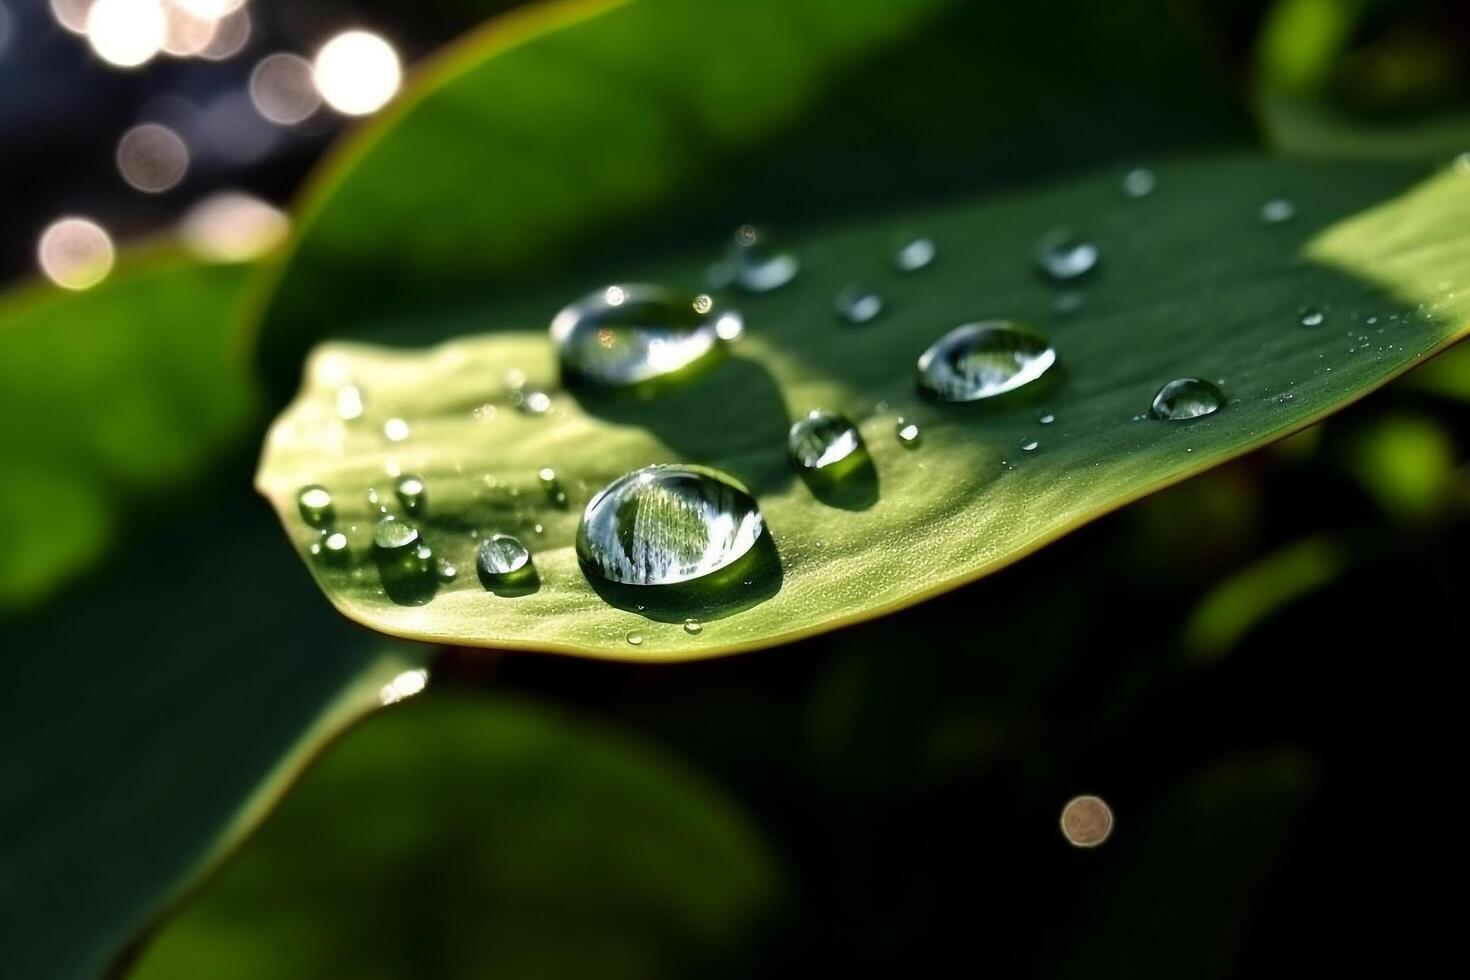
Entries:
{"x":1192,"y":283}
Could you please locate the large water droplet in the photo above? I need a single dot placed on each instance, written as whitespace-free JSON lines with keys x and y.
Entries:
{"x":394,"y":536}
{"x":858,"y":305}
{"x":411,"y":493}
{"x":1277,"y":211}
{"x":315,"y":503}
{"x":666,"y":524}
{"x":752,"y":264}
{"x":1063,"y":254}
{"x":913,"y":255}
{"x":502,"y":556}
{"x":982,"y":360}
{"x":823,"y":439}
{"x":624,"y":335}
{"x":1187,"y":398}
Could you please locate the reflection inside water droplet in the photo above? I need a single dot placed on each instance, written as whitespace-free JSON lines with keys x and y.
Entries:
{"x":411,"y":493}
{"x":982,"y":360}
{"x":1186,"y":398}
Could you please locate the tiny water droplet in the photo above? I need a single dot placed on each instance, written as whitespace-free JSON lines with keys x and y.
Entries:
{"x":1046,"y":418}
{"x":1277,"y":211}
{"x":551,"y":483}
{"x":485,"y":412}
{"x":693,"y":627}
{"x":635,"y":639}
{"x":349,"y":403}
{"x":532,"y":402}
{"x":1139,"y":182}
{"x":334,"y":545}
{"x":501,"y":557}
{"x":1063,"y":254}
{"x":1186,"y":398}
{"x":395,"y":430}
{"x":909,"y":435}
{"x":752,"y":264}
{"x":628,"y":334}
{"x":411,"y":493}
{"x":981,"y":360}
{"x":315,"y":503}
{"x":665,"y":524}
{"x":1312,"y":317}
{"x":822,"y":439}
{"x":392,"y":535}
{"x":446,"y":570}
{"x":913,"y":255}
{"x":1029,"y":445}
{"x":858,"y":305}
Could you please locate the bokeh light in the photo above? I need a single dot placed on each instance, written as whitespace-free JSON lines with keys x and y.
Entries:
{"x":126,"y":33}
{"x":75,"y":253}
{"x":1087,"y":821}
{"x":232,"y":226}
{"x":282,"y":89}
{"x":152,"y":158}
{"x":357,"y":72}
{"x":187,"y":34}
{"x":209,"y":9}
{"x":231,"y":34}
{"x":71,"y":14}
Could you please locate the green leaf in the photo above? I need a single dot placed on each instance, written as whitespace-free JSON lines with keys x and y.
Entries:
{"x":1193,"y":283}
{"x":569,"y":128}
{"x":482,"y":837}
{"x":109,"y":399}
{"x":151,"y":721}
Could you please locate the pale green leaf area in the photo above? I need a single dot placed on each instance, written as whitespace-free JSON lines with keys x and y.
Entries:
{"x":150,"y":723}
{"x":474,"y":837}
{"x":1192,"y":283}
{"x":107,"y":397}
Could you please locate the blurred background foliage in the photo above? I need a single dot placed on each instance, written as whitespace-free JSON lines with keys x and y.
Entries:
{"x":1253,"y":668}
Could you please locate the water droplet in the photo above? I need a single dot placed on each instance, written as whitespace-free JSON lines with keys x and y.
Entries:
{"x":532,"y":402}
{"x":635,"y":639}
{"x":666,"y":524}
{"x":858,"y":305}
{"x":551,"y":483}
{"x":1139,"y":182}
{"x":315,"y":503}
{"x":1087,"y":821}
{"x":334,"y":545}
{"x":1029,"y":445}
{"x":1062,"y":254}
{"x":908,"y":434}
{"x":625,"y":335}
{"x":982,"y":360}
{"x":1312,"y":317}
{"x":393,"y":535}
{"x":411,"y":493}
{"x":823,"y":439}
{"x":1277,"y":211}
{"x":349,"y":403}
{"x":1186,"y":398}
{"x":753,"y":265}
{"x":395,"y":430}
{"x":501,"y":557}
{"x":1046,"y":418}
{"x":1068,"y":301}
{"x":446,"y":570}
{"x":913,"y":255}
{"x":693,"y":627}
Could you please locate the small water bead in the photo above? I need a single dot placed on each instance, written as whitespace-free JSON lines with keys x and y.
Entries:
{"x":315,"y":503}
{"x":822,"y":439}
{"x":395,"y":430}
{"x":551,"y":483}
{"x":635,"y":639}
{"x":753,"y":265}
{"x":349,"y":403}
{"x":1046,"y":418}
{"x":982,"y":360}
{"x":1186,"y":398}
{"x":913,"y":255}
{"x":666,"y":524}
{"x":858,"y":305}
{"x":1064,"y":255}
{"x":334,"y":544}
{"x":392,"y":535}
{"x":1461,"y":164}
{"x":627,"y":334}
{"x":502,"y":556}
{"x":446,"y":570}
{"x":1277,"y":211}
{"x":411,"y":493}
{"x":1029,"y":445}
{"x":693,"y":627}
{"x":1139,"y":182}
{"x":909,"y":435}
{"x":531,"y":402}
{"x":1312,"y":317}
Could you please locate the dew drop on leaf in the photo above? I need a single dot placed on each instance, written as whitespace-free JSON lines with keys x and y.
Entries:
{"x":752,"y":264}
{"x":411,"y":493}
{"x":982,"y":360}
{"x":1186,"y":398}
{"x":627,"y":334}
{"x":501,"y":557}
{"x":1064,"y":255}
{"x":822,"y":439}
{"x":857,"y":305}
{"x":1312,"y":317}
{"x":909,"y":435}
{"x":913,"y":255}
{"x":315,"y":503}
{"x":1277,"y":211}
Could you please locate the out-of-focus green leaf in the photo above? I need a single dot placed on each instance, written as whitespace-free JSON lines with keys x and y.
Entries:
{"x":1192,"y":284}
{"x":151,"y":721}
{"x":1407,"y":463}
{"x":564,"y":129}
{"x":470,"y":838}
{"x":109,"y":397}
